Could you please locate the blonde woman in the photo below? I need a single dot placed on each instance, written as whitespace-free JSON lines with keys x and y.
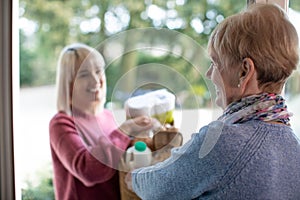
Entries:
{"x":86,"y":143}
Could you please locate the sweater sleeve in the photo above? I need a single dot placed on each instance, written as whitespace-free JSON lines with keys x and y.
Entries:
{"x":90,"y":165}
{"x":185,"y":175}
{"x":109,"y":149}
{"x":164,"y":180}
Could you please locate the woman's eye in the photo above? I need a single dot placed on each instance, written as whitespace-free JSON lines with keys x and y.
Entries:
{"x":82,"y":75}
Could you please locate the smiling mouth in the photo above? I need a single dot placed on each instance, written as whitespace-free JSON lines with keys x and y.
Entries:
{"x":94,"y":90}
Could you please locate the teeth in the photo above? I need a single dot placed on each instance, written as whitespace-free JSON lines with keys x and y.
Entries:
{"x":94,"y":90}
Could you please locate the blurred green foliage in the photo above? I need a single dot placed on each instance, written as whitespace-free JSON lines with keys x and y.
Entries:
{"x":44,"y":191}
{"x":42,"y":188}
{"x":48,"y":25}
{"x":294,"y":4}
{"x":54,"y":24}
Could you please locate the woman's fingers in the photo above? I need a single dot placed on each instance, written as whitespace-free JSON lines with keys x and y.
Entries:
{"x":139,"y":125}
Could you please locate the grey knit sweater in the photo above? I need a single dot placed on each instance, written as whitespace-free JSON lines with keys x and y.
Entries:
{"x":253,"y":160}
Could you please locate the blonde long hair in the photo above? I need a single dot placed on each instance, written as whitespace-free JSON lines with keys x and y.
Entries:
{"x":69,"y":62}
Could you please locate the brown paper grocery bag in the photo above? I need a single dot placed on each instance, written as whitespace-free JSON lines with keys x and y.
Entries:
{"x":126,"y":194}
{"x":163,"y":141}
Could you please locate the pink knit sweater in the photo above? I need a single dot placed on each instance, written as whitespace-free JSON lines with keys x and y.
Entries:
{"x":85,"y":154}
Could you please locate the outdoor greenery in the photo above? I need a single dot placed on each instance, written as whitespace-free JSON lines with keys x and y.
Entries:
{"x":44,"y":191}
{"x":47,"y":26}
{"x":42,"y":188}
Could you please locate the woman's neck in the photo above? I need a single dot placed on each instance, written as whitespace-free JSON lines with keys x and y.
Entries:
{"x":92,"y":110}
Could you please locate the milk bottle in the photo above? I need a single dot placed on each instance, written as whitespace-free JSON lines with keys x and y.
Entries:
{"x":138,"y":155}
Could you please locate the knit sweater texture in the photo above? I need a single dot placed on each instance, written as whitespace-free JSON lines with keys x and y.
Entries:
{"x":85,"y":165}
{"x":253,"y":160}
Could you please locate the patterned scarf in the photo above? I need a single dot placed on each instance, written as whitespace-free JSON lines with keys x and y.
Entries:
{"x":265,"y":107}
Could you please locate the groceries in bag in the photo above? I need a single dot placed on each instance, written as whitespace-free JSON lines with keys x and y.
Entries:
{"x":159,"y":104}
{"x":138,"y":155}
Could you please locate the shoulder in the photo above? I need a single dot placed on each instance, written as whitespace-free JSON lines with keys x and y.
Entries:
{"x":235,"y":134}
{"x":61,"y":118}
{"x":107,"y":112}
{"x":219,"y":138}
{"x":228,"y":132}
{"x":227,"y":139}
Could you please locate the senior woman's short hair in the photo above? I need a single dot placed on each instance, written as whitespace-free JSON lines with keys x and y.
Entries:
{"x":263,"y":33}
{"x":70,"y":60}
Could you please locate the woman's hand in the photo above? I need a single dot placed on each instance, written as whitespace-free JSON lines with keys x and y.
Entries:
{"x":139,"y":125}
{"x":128,"y":181}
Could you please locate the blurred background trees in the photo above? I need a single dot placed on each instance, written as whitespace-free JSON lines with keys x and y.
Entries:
{"x":46,"y":26}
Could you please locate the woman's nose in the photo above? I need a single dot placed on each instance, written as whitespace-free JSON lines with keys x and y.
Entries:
{"x":96,"y":79}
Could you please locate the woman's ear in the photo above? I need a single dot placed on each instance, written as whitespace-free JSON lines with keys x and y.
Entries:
{"x":246,"y":74}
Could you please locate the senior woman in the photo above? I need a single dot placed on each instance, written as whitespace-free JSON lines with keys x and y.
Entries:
{"x":86,"y":143}
{"x":250,"y":152}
